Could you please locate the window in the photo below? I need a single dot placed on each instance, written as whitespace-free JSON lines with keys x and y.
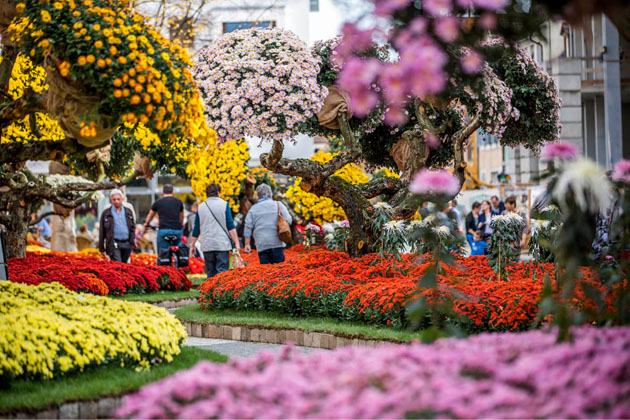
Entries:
{"x":314,"y":5}
{"x":235,"y":26}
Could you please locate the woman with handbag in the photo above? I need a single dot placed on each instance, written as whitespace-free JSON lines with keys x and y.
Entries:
{"x":269,"y":222}
{"x":215,"y":226}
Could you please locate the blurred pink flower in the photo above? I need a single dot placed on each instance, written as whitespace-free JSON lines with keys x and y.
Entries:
{"x":471,"y":62}
{"x":434,"y":182}
{"x":395,"y":115}
{"x":388,"y":7}
{"x":621,"y":172}
{"x":437,"y":7}
{"x":490,"y":4}
{"x":431,"y":140}
{"x":447,"y":28}
{"x":559,"y":150}
{"x":487,"y":21}
{"x":363,"y":101}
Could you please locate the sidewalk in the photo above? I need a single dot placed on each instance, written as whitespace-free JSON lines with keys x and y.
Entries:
{"x":232,"y":348}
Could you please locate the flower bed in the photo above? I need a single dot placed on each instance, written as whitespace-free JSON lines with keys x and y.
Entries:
{"x":47,"y":330}
{"x":196,"y":264}
{"x":371,"y":289}
{"x":525,"y":375}
{"x":95,"y":274}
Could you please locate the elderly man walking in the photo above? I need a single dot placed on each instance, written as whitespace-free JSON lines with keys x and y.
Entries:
{"x":262,"y":222}
{"x":215,"y":226}
{"x":117,"y":229}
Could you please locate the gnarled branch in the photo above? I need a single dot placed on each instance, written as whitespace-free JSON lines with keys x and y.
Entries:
{"x":377,"y":186}
{"x":41,"y":150}
{"x":351,"y":154}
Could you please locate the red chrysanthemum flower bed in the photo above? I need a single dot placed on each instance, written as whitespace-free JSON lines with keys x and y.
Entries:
{"x":196,"y":264}
{"x":371,"y":289}
{"x":95,"y":274}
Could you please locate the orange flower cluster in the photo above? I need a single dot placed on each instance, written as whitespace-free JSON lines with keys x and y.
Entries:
{"x":196,"y":265}
{"x":371,"y":289}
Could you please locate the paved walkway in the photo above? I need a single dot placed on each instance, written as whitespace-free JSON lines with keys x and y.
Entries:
{"x":232,"y":348}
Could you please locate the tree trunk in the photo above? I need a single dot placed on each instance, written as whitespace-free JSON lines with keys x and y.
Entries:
{"x":17,"y":227}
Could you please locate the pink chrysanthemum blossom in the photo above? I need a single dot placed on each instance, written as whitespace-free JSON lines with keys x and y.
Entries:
{"x":447,"y":28}
{"x":621,"y":172}
{"x":438,"y":182}
{"x":431,"y":140}
{"x":471,"y":62}
{"x":387,"y":7}
{"x":437,"y":7}
{"x":559,"y":150}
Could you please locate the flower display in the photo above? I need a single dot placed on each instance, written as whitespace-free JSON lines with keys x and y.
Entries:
{"x":525,"y":375}
{"x":562,"y":150}
{"x":47,"y":331}
{"x":196,"y":265}
{"x":621,"y":172}
{"x":224,"y":164}
{"x":438,"y":182}
{"x":133,"y":74}
{"x":322,"y":209}
{"x":258,"y":82}
{"x":94,"y":274}
{"x":368,"y":289}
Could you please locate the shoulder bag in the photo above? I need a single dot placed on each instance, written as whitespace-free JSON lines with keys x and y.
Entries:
{"x":284,"y":230}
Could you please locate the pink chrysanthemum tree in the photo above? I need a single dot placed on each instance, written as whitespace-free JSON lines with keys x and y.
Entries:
{"x":367,"y":103}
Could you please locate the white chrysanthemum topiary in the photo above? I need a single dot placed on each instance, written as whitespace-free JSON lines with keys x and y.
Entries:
{"x":258,"y":82}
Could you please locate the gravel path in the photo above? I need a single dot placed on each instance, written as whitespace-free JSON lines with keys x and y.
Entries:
{"x":232,"y":348}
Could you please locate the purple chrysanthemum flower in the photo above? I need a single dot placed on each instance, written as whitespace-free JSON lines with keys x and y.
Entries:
{"x":559,"y":150}
{"x":621,"y":172}
{"x":438,"y":182}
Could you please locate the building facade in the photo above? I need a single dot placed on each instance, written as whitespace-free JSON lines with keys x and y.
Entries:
{"x":592,"y":68}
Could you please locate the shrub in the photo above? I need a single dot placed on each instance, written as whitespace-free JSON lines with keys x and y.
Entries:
{"x":47,"y":331}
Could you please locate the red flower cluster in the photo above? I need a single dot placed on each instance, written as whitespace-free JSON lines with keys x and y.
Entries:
{"x":95,"y":274}
{"x":196,"y":265}
{"x":372,"y":289}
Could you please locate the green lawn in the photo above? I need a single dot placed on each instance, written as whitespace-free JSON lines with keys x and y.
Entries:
{"x":159,"y":296}
{"x":95,"y":383}
{"x":197,"y":279}
{"x":272,"y":319}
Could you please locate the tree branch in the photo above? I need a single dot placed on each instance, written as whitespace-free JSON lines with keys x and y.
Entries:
{"x":460,"y":140}
{"x":14,"y":110}
{"x":43,"y":216}
{"x":351,"y":154}
{"x":41,"y":150}
{"x":377,"y":186}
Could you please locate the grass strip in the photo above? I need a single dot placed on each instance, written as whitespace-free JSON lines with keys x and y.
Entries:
{"x":197,"y":279}
{"x":159,"y":296}
{"x":95,"y":383}
{"x":194,"y":313}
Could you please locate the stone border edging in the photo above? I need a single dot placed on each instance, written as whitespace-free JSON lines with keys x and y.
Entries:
{"x":101,"y":409}
{"x":279,"y":335}
{"x":173,"y":303}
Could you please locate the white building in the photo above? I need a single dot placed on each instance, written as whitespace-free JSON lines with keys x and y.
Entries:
{"x":592,"y":68}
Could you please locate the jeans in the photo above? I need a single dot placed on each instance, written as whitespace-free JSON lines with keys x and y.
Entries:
{"x":161,"y":233}
{"x":271,"y":256}
{"x":216,"y":262}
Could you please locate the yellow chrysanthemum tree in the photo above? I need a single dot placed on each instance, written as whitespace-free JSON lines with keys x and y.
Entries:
{"x":91,"y":84}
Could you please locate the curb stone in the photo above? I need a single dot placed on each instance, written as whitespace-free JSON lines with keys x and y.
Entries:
{"x":270,"y":335}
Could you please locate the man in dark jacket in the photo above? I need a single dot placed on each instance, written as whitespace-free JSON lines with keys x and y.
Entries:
{"x":117,"y":230}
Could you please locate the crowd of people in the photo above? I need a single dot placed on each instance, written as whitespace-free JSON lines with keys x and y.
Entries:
{"x":478,"y":225}
{"x":209,"y":230}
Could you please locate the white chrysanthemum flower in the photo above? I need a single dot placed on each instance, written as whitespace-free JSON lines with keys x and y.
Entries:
{"x":589,"y":184}
{"x":551,"y":208}
{"x":395,"y":225}
{"x":540,"y":224}
{"x":329,"y":227}
{"x":428,"y":221}
{"x":382,"y":205}
{"x":442,"y":231}
{"x":413,"y":225}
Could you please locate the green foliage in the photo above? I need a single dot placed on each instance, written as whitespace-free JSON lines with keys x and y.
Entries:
{"x":503,"y":246}
{"x":534,"y":94}
{"x":543,"y":234}
{"x":337,"y":239}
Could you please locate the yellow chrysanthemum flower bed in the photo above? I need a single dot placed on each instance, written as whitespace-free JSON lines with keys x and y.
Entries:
{"x":47,"y":331}
{"x":225,"y":165}
{"x":323,"y":209}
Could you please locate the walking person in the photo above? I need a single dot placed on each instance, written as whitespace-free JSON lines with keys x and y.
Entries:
{"x":117,"y":229}
{"x":214,"y":228}
{"x":170,"y":211}
{"x":262,"y":222}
